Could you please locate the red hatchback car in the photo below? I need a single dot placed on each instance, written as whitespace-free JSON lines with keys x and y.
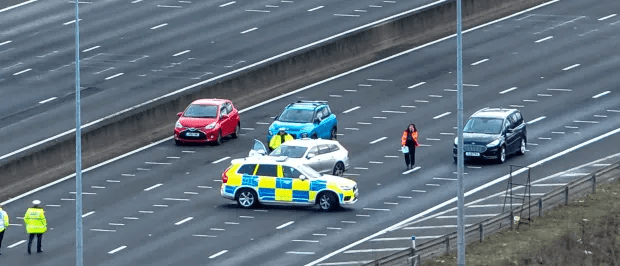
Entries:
{"x":207,"y":120}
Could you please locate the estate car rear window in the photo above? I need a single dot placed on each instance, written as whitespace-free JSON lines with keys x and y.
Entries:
{"x":201,"y":111}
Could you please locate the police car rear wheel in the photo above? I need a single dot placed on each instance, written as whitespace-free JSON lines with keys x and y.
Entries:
{"x":247,"y":198}
{"x":327,"y":201}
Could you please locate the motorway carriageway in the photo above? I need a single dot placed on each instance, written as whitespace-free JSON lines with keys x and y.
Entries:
{"x":132,"y":219}
{"x":147,"y":49}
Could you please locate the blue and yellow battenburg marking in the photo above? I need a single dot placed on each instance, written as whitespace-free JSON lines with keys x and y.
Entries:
{"x":279,"y":188}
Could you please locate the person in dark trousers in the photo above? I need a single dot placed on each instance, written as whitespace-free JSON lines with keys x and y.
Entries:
{"x":36,"y":224}
{"x":410,"y":140}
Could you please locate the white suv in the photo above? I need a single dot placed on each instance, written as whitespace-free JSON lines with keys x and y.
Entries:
{"x":324,"y":156}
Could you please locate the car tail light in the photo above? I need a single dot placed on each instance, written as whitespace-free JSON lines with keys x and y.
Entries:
{"x":224,"y":176}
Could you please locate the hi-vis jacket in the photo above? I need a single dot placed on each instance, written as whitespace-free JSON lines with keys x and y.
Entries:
{"x":414,"y":135}
{"x":4,"y":220}
{"x":35,"y":221}
{"x":276,"y":140}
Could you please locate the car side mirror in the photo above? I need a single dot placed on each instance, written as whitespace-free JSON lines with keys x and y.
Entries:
{"x":303,"y":177}
{"x":179,"y":114}
{"x":310,"y":155}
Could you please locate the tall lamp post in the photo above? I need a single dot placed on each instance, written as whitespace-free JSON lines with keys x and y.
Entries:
{"x":459,"y":125}
{"x":79,"y":260}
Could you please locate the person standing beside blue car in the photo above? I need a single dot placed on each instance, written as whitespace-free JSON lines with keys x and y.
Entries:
{"x":311,"y":118}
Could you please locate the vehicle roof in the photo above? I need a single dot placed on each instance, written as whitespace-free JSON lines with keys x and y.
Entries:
{"x":264,"y":160}
{"x":307,"y":142}
{"x":308,"y":105}
{"x":494,"y":112}
{"x":210,"y":101}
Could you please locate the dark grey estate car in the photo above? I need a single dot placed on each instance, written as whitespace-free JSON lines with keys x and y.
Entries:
{"x":492,"y":133}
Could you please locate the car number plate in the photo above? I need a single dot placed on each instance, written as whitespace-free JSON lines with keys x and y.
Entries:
{"x":472,"y":153}
{"x":190,"y":134}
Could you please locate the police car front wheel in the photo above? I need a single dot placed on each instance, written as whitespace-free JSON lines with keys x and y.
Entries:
{"x":247,"y":198}
{"x":328,"y":201}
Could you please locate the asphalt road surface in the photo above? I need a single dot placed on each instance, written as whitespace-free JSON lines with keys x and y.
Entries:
{"x":560,"y":84}
{"x":135,"y":51}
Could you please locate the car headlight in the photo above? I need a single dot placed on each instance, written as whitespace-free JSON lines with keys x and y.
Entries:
{"x":346,"y":187}
{"x":210,"y":126}
{"x":178,"y":125}
{"x":493,"y":143}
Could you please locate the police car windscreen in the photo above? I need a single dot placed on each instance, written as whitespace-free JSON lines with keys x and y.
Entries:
{"x":201,"y":111}
{"x":296,"y":116}
{"x":289,"y":151}
{"x":483,"y":125}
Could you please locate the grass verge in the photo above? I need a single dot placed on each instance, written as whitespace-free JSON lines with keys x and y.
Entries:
{"x":585,"y":232}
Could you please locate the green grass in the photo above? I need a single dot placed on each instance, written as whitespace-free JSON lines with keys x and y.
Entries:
{"x":585,"y":232}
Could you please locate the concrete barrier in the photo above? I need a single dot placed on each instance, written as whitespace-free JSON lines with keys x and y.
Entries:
{"x":155,"y":121}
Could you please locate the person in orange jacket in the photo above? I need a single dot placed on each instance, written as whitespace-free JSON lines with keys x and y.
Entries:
{"x":410,"y":141}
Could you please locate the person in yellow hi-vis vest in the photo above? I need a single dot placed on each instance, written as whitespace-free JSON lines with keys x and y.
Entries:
{"x":4,"y":223}
{"x":36,"y":224}
{"x":279,"y":138}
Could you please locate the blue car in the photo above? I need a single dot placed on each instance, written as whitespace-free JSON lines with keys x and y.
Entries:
{"x":314,"y":118}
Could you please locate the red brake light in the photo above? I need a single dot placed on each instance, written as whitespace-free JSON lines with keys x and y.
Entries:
{"x":224,"y":176}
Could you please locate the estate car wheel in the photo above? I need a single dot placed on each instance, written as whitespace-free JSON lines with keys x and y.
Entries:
{"x":328,"y":201}
{"x":339,"y":169}
{"x":219,"y":138}
{"x":501,"y":158}
{"x":314,"y":136}
{"x":334,"y":134}
{"x":247,"y":198}
{"x":521,"y":150}
{"x":236,"y":133}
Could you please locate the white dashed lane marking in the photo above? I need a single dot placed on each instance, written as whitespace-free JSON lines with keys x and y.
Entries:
{"x":153,"y":187}
{"x":544,"y":39}
{"x":227,"y":4}
{"x":221,"y":160}
{"x":416,"y":85}
{"x":88,"y":214}
{"x":117,"y":249}
{"x":316,"y":8}
{"x":536,"y":120}
{"x":571,"y":67}
{"x":218,"y":254}
{"x":601,"y":94}
{"x":607,"y":17}
{"x":442,"y":115}
{"x":377,"y":140}
{"x":184,"y":221}
{"x":480,"y":62}
{"x":352,"y":109}
{"x":249,"y":30}
{"x":285,"y":225}
{"x":159,"y":26}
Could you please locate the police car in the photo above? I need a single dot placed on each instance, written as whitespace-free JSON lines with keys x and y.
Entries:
{"x":268,"y":180}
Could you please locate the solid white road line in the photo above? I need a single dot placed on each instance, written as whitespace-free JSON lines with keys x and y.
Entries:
{"x":600,"y":94}
{"x":442,"y":115}
{"x":508,"y":90}
{"x":227,"y":4}
{"x":153,"y":187}
{"x":221,"y":160}
{"x":47,"y":100}
{"x":181,"y":53}
{"x":217,"y":254}
{"x":159,"y":26}
{"x":544,"y":39}
{"x":352,"y":109}
{"x":606,"y":17}
{"x":22,"y":72}
{"x":114,"y":76}
{"x":357,"y":263}
{"x":316,"y":8}
{"x":490,"y":205}
{"x":249,"y":30}
{"x":184,"y":221}
{"x":117,"y":249}
{"x":17,"y":244}
{"x":411,"y":170}
{"x":374,"y":250}
{"x":299,"y":253}
{"x":416,"y":85}
{"x":480,"y":62}
{"x":570,"y":67}
{"x":377,"y":140}
{"x":285,"y":225}
{"x":536,"y":120}
{"x":468,"y":216}
{"x":103,"y":230}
